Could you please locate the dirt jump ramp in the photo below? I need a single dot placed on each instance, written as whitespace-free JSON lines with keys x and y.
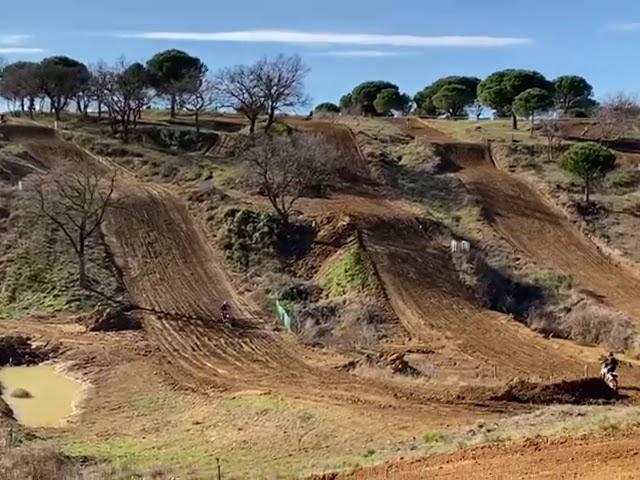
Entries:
{"x":425,"y":292}
{"x":531,"y":225}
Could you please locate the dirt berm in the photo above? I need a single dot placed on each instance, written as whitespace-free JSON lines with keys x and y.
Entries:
{"x":581,"y":391}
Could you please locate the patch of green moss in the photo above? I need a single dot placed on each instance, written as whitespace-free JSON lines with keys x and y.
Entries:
{"x":553,"y":282}
{"x":35,"y":283}
{"x":348,"y":275}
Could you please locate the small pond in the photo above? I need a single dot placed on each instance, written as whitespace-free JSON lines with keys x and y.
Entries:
{"x":50,"y":398}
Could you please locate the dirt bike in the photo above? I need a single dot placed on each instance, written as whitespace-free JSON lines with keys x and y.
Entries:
{"x":610,"y":378}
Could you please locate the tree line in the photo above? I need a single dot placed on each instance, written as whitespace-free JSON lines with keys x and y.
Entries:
{"x":121,"y":91}
{"x":510,"y":93}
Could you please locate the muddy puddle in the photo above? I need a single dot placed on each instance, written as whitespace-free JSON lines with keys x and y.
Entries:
{"x":47,"y":396}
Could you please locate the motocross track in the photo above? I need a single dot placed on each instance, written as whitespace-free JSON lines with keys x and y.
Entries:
{"x":425,"y":293}
{"x":531,"y":225}
{"x":615,"y":457}
{"x":174,"y":276}
{"x":172,"y":272}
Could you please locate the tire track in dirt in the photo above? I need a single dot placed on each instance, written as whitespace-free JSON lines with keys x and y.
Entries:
{"x":522,"y":217}
{"x":168,"y":267}
{"x":426,"y":294}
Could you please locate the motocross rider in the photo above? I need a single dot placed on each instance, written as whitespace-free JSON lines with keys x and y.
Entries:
{"x":226,"y":310}
{"x":609,"y":364}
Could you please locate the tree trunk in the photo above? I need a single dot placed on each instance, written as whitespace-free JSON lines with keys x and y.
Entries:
{"x":57,"y":112}
{"x":197,"y":122}
{"x":99,"y":109}
{"x":514,"y":121}
{"x":533,"y":122}
{"x":173,"y":106}
{"x":82,"y":268}
{"x":270,"y":120}
{"x":22,"y":104}
{"x":587,"y":190}
{"x":125,"y":129}
{"x":32,"y":107}
{"x":252,"y":125}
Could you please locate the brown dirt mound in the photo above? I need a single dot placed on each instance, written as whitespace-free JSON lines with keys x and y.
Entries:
{"x":113,"y":320}
{"x":394,"y":362}
{"x":18,"y":350}
{"x":584,"y":390}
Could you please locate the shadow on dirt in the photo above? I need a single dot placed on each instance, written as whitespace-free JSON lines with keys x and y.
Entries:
{"x":581,"y":391}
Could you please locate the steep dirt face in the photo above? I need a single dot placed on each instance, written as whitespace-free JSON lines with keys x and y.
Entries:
{"x":175,"y":278}
{"x":425,"y":292}
{"x":531,"y":225}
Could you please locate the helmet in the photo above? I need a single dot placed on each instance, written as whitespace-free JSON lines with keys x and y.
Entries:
{"x":611,"y":354}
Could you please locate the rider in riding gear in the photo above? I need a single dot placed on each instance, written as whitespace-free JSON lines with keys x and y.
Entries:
{"x":226,"y":310}
{"x":610,"y":364}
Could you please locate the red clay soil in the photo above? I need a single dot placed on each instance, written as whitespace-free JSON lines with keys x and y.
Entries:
{"x":172,"y":273}
{"x":531,"y":225}
{"x":425,"y":292}
{"x":615,"y":456}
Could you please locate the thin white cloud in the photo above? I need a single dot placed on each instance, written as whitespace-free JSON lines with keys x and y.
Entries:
{"x":361,"y":53}
{"x":623,"y":27}
{"x":312,"y":38}
{"x":23,"y":50}
{"x":14,"y":39}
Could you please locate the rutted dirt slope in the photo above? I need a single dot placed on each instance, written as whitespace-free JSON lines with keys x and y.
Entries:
{"x":521,"y":216}
{"x":175,"y":277}
{"x":426,"y":293}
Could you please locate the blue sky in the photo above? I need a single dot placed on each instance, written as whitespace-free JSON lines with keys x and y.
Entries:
{"x":410,"y":42}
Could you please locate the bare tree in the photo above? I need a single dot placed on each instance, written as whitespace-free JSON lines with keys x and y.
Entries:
{"x":550,"y":130}
{"x":125,"y":93}
{"x":281,"y":83}
{"x":99,"y":79}
{"x":617,"y":116}
{"x":238,"y":88}
{"x":76,"y":200}
{"x":286,"y":168}
{"x":199,"y":99}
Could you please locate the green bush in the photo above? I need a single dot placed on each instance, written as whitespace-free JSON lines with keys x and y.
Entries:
{"x":250,"y":236}
{"x":553,"y":282}
{"x":433,"y":437}
{"x":176,"y":139}
{"x":349,"y":274}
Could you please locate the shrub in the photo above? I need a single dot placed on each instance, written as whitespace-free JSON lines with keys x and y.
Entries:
{"x":349,"y":274}
{"x":176,"y":139}
{"x":252,"y":237}
{"x":597,"y":325}
{"x":554,"y":283}
{"x":433,"y":437}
